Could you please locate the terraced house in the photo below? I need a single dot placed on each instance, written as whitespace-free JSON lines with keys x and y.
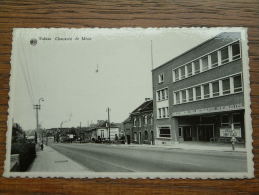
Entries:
{"x":198,"y":96}
{"x":139,"y":125}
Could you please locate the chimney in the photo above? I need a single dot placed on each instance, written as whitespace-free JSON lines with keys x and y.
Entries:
{"x":147,"y":99}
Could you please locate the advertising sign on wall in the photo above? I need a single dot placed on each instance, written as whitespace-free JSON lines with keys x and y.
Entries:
{"x":227,"y":132}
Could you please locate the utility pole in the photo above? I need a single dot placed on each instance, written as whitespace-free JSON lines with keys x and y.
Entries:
{"x":37,"y":108}
{"x":109,"y":127}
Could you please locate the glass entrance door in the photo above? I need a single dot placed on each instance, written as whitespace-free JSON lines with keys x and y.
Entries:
{"x":205,"y":132}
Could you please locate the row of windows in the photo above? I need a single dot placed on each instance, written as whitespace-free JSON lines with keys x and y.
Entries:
{"x":136,"y":139}
{"x":216,"y":88}
{"x":162,"y":94}
{"x":137,"y":121}
{"x":163,"y":112}
{"x":212,"y":60}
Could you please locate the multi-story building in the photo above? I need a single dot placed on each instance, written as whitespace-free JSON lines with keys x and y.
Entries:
{"x":141,"y":124}
{"x":127,"y":129}
{"x":198,"y":96}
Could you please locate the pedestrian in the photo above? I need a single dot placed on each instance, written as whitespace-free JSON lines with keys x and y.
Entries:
{"x":233,"y":141}
{"x":41,"y":146}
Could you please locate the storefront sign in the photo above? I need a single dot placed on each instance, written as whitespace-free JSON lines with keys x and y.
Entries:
{"x":227,"y":132}
{"x":209,"y":110}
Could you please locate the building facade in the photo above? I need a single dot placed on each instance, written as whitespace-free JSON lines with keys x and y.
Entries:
{"x":198,"y":96}
{"x":139,"y":126}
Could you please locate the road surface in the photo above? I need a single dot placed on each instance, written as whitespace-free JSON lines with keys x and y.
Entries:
{"x":123,"y":158}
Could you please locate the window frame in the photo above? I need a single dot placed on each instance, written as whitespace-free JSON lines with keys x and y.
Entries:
{"x":166,"y":136}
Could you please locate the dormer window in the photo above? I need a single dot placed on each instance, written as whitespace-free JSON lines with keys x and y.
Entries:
{"x":161,"y":78}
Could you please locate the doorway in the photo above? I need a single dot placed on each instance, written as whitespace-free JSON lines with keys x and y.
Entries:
{"x":205,"y":132}
{"x":139,"y":137}
{"x":128,"y":139}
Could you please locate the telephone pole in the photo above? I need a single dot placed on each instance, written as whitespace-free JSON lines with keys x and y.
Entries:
{"x":109,"y":127}
{"x":37,"y":108}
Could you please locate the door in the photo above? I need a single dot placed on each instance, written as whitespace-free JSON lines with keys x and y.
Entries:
{"x":152,"y":137}
{"x":187,"y":133}
{"x":205,"y":132}
{"x":128,"y":139}
{"x":139,"y":140}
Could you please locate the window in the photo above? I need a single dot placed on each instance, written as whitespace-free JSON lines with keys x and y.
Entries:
{"x":182,"y":72}
{"x":163,"y":94}
{"x":225,"y":122}
{"x":163,"y":112}
{"x":166,"y":93}
{"x":183,"y":96}
{"x":164,"y":132}
{"x":151,"y":119}
{"x":140,"y":121}
{"x":145,"y":119}
{"x":158,"y":95}
{"x":161,"y":78}
{"x":160,"y":113}
{"x":206,"y":90}
{"x":167,"y":112}
{"x":237,"y":120}
{"x":235,"y":51}
{"x":215,"y":89}
{"x":176,"y":72}
{"x":226,"y":86}
{"x":190,"y":92}
{"x":224,"y":55}
{"x":237,"y":84}
{"x":196,"y":67}
{"x":189,"y":69}
{"x":198,"y":92}
{"x":214,"y":59}
{"x":205,"y":63}
{"x":134,"y":122}
{"x":177,"y":97}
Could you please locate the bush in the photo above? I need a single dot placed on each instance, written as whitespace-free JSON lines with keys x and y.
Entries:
{"x":27,"y":154}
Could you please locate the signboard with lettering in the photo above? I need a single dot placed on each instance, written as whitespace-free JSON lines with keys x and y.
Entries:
{"x":209,"y":110}
{"x":227,"y":132}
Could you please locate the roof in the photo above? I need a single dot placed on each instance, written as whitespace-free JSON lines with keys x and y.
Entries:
{"x":103,"y":124}
{"x":219,"y":36}
{"x":144,"y":107}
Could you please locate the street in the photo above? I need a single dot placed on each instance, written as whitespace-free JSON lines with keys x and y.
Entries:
{"x":123,"y":158}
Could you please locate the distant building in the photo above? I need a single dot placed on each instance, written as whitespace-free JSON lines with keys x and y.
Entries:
{"x":139,"y":126}
{"x":198,"y":96}
{"x":100,"y":131}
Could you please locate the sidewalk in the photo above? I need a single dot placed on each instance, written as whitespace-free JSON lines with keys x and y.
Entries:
{"x":224,"y":147}
{"x":53,"y":161}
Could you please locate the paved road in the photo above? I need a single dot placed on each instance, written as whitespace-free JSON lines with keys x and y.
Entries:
{"x":122,"y":158}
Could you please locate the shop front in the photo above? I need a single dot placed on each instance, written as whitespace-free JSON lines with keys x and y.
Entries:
{"x":213,"y":127}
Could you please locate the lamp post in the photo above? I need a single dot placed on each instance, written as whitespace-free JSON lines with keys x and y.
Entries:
{"x":37,"y":108}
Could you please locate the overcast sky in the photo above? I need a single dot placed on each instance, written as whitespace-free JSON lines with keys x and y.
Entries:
{"x":64,"y":72}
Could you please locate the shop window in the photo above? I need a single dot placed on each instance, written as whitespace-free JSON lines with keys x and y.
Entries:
{"x":214,"y":59}
{"x":237,"y":84}
{"x":189,"y":70}
{"x":176,"y":72}
{"x":161,"y":78}
{"x":198,"y":92}
{"x":146,"y":135}
{"x":205,"y":63}
{"x":226,"y":86}
{"x":190,"y":93}
{"x":206,"y":90}
{"x":182,"y":72}
{"x":215,"y":88}
{"x":237,"y":120}
{"x":183,"y":96}
{"x":164,"y":132}
{"x":225,"y":121}
{"x":224,"y":55}
{"x":197,"y":67}
{"x":235,"y":51}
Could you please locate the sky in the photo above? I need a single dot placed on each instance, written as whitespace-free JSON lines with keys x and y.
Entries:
{"x":63,"y":72}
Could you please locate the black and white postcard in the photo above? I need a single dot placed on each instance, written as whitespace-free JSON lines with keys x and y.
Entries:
{"x":129,"y":103}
